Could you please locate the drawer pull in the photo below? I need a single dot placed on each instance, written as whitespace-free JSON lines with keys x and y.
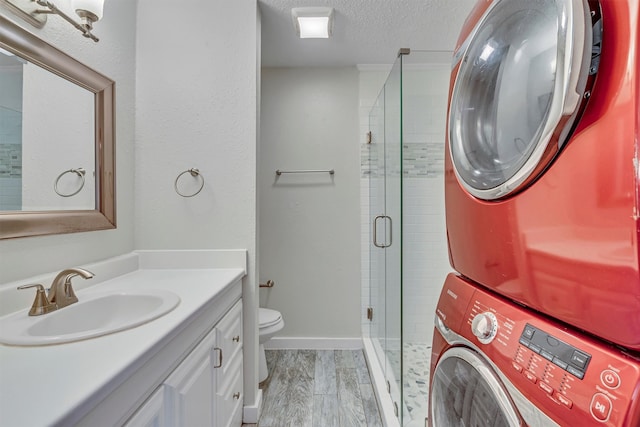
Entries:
{"x":219,"y":350}
{"x":236,"y":338}
{"x":236,"y":395}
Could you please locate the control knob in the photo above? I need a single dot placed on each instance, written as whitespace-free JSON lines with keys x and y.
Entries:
{"x":485,"y":327}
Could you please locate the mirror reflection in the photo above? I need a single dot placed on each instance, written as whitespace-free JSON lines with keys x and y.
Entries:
{"x":59,"y":143}
{"x":47,"y":155}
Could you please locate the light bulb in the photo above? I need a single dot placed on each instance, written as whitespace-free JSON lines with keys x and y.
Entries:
{"x":93,"y":7}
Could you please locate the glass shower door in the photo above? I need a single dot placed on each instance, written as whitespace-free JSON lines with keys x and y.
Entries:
{"x":385,"y":192}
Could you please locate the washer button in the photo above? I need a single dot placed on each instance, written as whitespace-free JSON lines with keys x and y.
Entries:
{"x":575,"y":372}
{"x":528,"y":332}
{"x":610,"y":379}
{"x":531,"y":377}
{"x":579,"y":359}
{"x":601,"y":407}
{"x":564,"y":400}
{"x":546,"y":387}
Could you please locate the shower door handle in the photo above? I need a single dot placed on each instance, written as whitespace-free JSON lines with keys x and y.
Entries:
{"x":375,"y":231}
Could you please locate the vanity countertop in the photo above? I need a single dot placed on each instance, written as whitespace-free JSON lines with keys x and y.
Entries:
{"x":61,"y":384}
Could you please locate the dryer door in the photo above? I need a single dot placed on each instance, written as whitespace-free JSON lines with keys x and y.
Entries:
{"x":466,"y":392}
{"x":524,"y":76}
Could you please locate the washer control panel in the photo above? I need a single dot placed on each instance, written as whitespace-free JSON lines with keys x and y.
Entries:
{"x":574,"y":379}
{"x":561,"y":354}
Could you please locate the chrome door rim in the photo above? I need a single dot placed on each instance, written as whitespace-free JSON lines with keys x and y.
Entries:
{"x":487,"y":374}
{"x":573,"y":55}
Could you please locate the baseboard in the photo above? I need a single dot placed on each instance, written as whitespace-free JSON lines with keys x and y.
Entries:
{"x":251,"y":414}
{"x":313,"y":343}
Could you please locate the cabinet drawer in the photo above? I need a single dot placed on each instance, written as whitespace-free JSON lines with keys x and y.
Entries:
{"x":229,"y":397}
{"x":229,"y":338}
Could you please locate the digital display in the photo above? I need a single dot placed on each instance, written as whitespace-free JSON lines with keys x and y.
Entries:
{"x":561,"y":354}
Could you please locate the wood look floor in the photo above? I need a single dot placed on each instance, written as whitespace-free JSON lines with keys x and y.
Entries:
{"x":318,"y":388}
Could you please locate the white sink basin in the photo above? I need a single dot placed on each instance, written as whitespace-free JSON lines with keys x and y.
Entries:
{"x":94,"y":315}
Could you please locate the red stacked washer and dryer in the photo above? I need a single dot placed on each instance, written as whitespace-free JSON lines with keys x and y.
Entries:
{"x":541,"y":323}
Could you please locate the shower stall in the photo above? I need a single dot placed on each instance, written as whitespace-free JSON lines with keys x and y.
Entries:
{"x":404,"y":232}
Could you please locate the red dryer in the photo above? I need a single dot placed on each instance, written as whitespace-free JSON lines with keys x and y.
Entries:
{"x":541,"y":163}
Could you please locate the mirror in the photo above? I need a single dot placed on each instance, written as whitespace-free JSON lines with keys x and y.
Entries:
{"x":65,"y":163}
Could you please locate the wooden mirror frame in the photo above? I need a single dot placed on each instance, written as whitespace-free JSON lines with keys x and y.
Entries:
{"x":20,"y":42}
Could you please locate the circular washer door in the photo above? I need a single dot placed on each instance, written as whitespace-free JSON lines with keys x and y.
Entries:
{"x":466,"y":392}
{"x":522,"y":80}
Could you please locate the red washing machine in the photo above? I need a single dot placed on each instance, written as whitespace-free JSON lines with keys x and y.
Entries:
{"x":497,"y":364}
{"x":542,"y":174}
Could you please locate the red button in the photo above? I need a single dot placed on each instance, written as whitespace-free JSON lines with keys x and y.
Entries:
{"x":516,"y":366}
{"x":530,"y":377}
{"x":564,"y":400}
{"x":600,"y":407}
{"x":546,"y":387}
{"x":610,"y":379}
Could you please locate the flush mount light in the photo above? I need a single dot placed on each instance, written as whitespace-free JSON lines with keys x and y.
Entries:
{"x":313,"y":22}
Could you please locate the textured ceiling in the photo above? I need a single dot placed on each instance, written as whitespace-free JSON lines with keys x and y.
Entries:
{"x":364,"y":31}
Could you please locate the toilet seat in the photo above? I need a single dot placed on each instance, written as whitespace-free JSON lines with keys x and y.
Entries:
{"x":268,"y":317}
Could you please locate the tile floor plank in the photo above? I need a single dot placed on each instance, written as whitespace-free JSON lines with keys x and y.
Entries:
{"x":371,"y":413}
{"x":325,"y":373}
{"x":361,"y":367}
{"x":344,"y":359}
{"x":325,"y":410}
{"x":350,"y":407}
{"x":323,"y":388}
{"x":289,"y":397}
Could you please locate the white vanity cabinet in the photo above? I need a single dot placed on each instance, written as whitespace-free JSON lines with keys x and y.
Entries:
{"x":206,"y":387}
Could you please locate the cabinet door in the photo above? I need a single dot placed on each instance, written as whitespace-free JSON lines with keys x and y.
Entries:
{"x":189,"y":389}
{"x":228,"y":375}
{"x":151,"y":413}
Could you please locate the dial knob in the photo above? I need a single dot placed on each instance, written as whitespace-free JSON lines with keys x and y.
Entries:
{"x":485,"y":327}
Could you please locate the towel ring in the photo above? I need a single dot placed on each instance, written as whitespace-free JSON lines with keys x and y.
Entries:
{"x":80,"y":172}
{"x":194,"y":172}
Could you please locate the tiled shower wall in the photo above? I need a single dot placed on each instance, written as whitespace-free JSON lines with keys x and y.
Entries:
{"x":10,"y":159}
{"x":425,"y":259}
{"x":11,"y":136}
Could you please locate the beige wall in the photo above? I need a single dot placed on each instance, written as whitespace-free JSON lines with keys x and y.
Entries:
{"x":309,"y":224}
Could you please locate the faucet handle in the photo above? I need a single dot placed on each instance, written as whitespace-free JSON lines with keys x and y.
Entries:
{"x":41,"y":305}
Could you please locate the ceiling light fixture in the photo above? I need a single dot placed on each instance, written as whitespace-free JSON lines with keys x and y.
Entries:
{"x":313,"y":22}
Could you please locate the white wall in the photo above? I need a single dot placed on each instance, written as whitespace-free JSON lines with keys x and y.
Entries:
{"x":197,"y":83}
{"x":113,"y":56}
{"x":309,"y":224}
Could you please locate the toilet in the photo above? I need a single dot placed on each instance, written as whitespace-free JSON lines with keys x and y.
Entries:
{"x":270,"y":323}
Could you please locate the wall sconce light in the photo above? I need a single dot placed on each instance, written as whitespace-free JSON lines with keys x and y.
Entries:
{"x":313,"y":22}
{"x":89,"y":11}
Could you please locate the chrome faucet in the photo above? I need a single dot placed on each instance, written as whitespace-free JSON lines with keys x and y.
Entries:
{"x":61,"y":292}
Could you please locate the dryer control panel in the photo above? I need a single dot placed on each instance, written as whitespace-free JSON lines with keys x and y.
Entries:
{"x":573,"y":378}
